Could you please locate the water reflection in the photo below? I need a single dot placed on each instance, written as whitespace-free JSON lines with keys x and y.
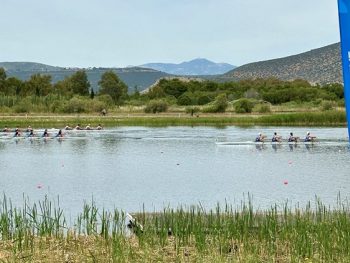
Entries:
{"x":79,"y":145}
{"x":276,"y":146}
{"x":260,"y":147}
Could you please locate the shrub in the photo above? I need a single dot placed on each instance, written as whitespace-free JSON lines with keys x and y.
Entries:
{"x":24,"y":106}
{"x":263,"y":108}
{"x":192,"y":110}
{"x":184,"y":100}
{"x":204,"y":99}
{"x":155,"y":106}
{"x":106,"y":99}
{"x":220,"y":104}
{"x":76,"y":105}
{"x":327,"y":105}
{"x":244,"y":106}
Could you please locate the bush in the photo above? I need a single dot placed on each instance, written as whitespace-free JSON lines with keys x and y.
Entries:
{"x":106,"y":99}
{"x":204,"y":99}
{"x":263,"y":108}
{"x":220,"y":104}
{"x":184,"y":100}
{"x":192,"y":110}
{"x":155,"y":106}
{"x":244,"y":106}
{"x":327,"y":105}
{"x":24,"y":106}
{"x":76,"y":105}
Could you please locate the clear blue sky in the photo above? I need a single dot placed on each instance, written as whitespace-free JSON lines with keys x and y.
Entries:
{"x":132,"y":32}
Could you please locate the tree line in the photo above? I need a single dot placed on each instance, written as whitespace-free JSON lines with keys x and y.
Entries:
{"x":75,"y":94}
{"x":77,"y":84}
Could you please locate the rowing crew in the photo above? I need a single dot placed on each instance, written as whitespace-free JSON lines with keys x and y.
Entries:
{"x":291,"y":138}
{"x":88,"y":127}
{"x":30,"y":133}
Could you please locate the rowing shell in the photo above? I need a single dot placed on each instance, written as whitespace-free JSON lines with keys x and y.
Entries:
{"x":280,"y":143}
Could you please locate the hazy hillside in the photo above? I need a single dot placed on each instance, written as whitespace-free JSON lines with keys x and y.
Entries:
{"x":197,"y":67}
{"x":27,"y":66}
{"x":321,"y":65}
{"x":134,"y":76}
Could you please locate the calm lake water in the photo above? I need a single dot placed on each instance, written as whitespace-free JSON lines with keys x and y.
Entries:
{"x":130,"y":167}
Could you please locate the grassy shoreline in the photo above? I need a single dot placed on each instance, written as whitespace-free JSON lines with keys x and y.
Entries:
{"x":40,"y":233}
{"x":326,"y":119}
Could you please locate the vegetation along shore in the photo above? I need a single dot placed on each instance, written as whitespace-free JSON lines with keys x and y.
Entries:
{"x":39,"y":232}
{"x":329,"y":118}
{"x":196,"y":101}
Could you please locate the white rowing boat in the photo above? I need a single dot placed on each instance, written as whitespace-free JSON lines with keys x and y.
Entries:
{"x":282,"y":143}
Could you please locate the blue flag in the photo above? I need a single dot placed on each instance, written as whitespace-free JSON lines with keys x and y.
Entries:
{"x":344,"y":24}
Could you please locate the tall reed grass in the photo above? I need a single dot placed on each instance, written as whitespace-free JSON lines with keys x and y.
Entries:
{"x":330,"y":118}
{"x":39,"y":232}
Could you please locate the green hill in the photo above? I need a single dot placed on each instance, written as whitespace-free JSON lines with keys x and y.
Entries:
{"x":133,"y":76}
{"x":321,"y":65}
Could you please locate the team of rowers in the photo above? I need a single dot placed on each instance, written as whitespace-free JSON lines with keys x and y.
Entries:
{"x":30,"y":131}
{"x":291,"y":138}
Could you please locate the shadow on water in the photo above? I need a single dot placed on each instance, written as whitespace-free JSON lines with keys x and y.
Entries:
{"x":276,"y":147}
{"x":260,"y":147}
{"x":80,"y":146}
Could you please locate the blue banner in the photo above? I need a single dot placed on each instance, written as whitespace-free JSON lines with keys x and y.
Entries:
{"x":344,"y":24}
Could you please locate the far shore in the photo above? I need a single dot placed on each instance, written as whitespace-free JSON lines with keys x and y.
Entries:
{"x":324,"y":119}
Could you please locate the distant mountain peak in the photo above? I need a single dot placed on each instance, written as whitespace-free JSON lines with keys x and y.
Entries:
{"x":197,"y":66}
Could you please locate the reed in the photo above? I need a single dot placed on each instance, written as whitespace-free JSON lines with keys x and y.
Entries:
{"x":330,"y":118}
{"x":225,"y":233}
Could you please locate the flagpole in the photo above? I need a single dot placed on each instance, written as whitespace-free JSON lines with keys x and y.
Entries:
{"x":344,"y":25}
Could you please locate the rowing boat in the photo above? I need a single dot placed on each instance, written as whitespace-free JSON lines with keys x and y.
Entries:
{"x":281,"y":143}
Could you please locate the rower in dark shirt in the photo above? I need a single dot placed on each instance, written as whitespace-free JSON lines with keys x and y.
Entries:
{"x":59,"y":134}
{"x":46,"y":133}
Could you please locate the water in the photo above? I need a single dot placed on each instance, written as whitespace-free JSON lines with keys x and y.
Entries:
{"x":132,"y":167}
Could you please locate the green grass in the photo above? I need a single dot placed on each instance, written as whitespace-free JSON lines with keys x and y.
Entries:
{"x":39,"y":232}
{"x":328,"y":118}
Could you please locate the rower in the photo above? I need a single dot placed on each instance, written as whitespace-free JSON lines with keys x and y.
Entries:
{"x":260,"y":138}
{"x":292,"y":138}
{"x":5,"y":129}
{"x":46,"y":133}
{"x":99,"y":127}
{"x":88,"y":127}
{"x":31,"y":133}
{"x":309,"y":137}
{"x":17,"y":133}
{"x":29,"y":129}
{"x":78,"y":127}
{"x":59,"y":134}
{"x":276,"y":138}
{"x":68,"y":127}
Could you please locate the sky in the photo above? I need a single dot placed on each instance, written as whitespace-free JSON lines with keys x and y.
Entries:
{"x":115,"y":33}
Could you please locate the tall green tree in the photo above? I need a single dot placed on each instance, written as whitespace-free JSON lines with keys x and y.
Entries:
{"x":3,"y":75}
{"x":110,"y":84}
{"x":79,"y":83}
{"x":13,"y":86}
{"x":2,"y":79}
{"x":39,"y":85}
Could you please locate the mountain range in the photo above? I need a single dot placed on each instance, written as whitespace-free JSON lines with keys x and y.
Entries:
{"x":199,"y":66}
{"x":321,"y":65}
